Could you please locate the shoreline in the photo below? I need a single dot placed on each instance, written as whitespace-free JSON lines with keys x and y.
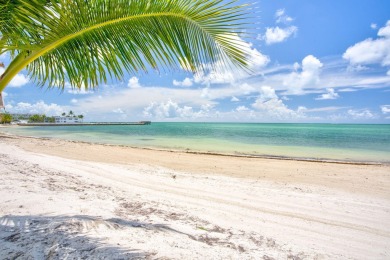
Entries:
{"x":195,"y":152}
{"x":341,"y":176}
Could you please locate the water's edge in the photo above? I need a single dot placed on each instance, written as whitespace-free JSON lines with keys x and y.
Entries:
{"x":271,"y":157}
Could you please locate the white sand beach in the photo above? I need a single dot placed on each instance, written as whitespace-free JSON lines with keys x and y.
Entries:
{"x":72,"y":200}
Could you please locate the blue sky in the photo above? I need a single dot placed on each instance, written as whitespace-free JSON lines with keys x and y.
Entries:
{"x":312,"y":61}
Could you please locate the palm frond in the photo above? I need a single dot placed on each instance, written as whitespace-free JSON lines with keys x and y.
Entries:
{"x":87,"y":42}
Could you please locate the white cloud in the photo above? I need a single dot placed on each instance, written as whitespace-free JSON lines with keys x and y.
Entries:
{"x":374,"y":26}
{"x":77,"y":91}
{"x":242,"y":108}
{"x":277,"y":34}
{"x":257,"y":60}
{"x":99,"y":108}
{"x":168,"y":109}
{"x":234,"y":99}
{"x":281,"y":17}
{"x":214,"y":77}
{"x":296,"y":66}
{"x":4,"y":94}
{"x":324,"y":109}
{"x":73,"y":101}
{"x":267,"y":93}
{"x":307,"y":78}
{"x":385,"y":31}
{"x":82,"y":91}
{"x":228,"y":73}
{"x":246,"y":89}
{"x":385,"y":109}
{"x":371,"y":51}
{"x":38,"y":108}
{"x":205,"y":93}
{"x":187,"y":82}
{"x":18,"y":81}
{"x":118,"y":111}
{"x":271,"y":107}
{"x":361,"y":114}
{"x":331,"y":94}
{"x":133,"y":83}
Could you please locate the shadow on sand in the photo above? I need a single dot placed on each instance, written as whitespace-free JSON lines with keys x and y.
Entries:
{"x":60,"y":237}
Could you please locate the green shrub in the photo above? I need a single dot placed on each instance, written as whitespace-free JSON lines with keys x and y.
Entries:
{"x":5,"y":118}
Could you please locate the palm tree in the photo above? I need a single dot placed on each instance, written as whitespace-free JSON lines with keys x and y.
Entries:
{"x":87,"y":42}
{"x":5,"y":118}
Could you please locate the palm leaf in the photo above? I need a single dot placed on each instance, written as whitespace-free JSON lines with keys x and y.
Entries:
{"x":87,"y":42}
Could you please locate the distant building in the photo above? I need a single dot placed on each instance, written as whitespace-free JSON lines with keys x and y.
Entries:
{"x":66,"y":120}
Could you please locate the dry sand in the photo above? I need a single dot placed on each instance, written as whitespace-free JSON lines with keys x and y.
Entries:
{"x":62,"y":199}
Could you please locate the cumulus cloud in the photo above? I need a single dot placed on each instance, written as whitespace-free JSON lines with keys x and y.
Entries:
{"x":385,"y":109}
{"x":187,"y":82}
{"x":270,"y":106}
{"x":246,"y":89}
{"x":385,"y":31}
{"x":73,"y":101}
{"x":331,"y":94}
{"x":308,"y":77}
{"x":374,"y":26}
{"x":361,"y":114}
{"x":242,"y":108}
{"x":133,"y":83}
{"x":277,"y":34}
{"x":168,"y":109}
{"x":18,"y":81}
{"x":39,"y":107}
{"x":371,"y":51}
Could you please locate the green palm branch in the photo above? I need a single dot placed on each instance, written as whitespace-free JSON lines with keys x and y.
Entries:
{"x":86,"y":42}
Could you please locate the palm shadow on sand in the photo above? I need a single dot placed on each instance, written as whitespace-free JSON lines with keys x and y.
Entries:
{"x":59,"y":237}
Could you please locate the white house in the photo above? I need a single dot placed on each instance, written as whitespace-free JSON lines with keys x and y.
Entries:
{"x":66,"y":120}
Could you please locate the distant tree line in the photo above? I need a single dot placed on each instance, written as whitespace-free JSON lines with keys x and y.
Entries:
{"x":41,"y":119}
{"x":7,"y":118}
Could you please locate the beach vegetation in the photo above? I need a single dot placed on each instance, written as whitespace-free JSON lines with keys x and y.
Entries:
{"x":5,"y":118}
{"x":37,"y":118}
{"x":83,"y":43}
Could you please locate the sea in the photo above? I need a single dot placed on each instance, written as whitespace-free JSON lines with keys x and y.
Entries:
{"x":334,"y":142}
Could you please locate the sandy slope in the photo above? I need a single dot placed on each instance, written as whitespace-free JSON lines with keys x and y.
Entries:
{"x":160,"y":205}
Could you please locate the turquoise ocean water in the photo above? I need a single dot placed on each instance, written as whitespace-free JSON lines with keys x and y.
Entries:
{"x":347,"y":142}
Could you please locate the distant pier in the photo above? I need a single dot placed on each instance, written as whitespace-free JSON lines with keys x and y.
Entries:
{"x":87,"y":124}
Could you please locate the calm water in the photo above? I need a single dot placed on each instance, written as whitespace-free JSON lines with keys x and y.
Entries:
{"x":311,"y":141}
